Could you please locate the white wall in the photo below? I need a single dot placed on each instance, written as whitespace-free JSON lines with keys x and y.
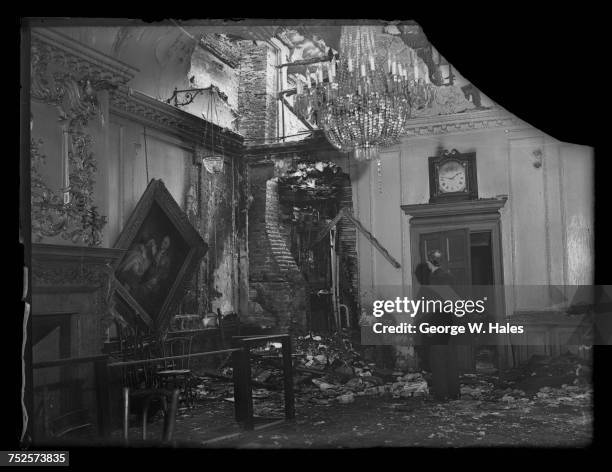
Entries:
{"x":546,"y":224}
{"x":127,"y":162}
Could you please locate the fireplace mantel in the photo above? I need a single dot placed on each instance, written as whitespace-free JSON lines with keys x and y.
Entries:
{"x":57,"y":267}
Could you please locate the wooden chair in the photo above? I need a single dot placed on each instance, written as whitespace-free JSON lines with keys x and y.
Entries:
{"x":148,"y":396}
{"x":177,"y":373}
{"x":140,"y":348}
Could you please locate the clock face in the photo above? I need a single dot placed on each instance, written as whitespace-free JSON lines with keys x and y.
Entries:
{"x":451,"y":177}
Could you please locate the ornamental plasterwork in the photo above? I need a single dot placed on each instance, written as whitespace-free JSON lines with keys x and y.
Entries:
{"x":57,"y":269}
{"x":74,"y":96}
{"x":462,"y":122}
{"x":72,"y":274}
{"x":70,"y":80}
{"x":70,"y":76}
{"x":56,"y":48}
{"x":69,"y":213}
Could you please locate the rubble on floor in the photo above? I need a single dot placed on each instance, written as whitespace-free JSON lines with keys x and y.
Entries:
{"x":552,"y":407}
{"x":328,"y":371}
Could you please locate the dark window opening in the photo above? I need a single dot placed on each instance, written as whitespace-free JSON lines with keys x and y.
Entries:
{"x":482,"y":258}
{"x":481,"y":254}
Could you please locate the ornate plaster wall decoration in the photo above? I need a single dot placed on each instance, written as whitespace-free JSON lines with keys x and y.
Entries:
{"x":74,"y":98}
{"x":77,"y":220}
{"x":471,"y":120}
{"x":73,"y":215}
{"x":444,"y":100}
{"x":64,"y":76}
{"x":68,"y":82}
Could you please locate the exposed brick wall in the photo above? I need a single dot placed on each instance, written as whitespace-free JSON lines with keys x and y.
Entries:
{"x":277,"y":239}
{"x":262,"y":265}
{"x":347,"y":237}
{"x":257,"y":92}
{"x":271,"y":265}
{"x":279,"y":295}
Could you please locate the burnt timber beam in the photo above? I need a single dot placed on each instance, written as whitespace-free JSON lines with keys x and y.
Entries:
{"x":328,"y":227}
{"x":305,"y":62}
{"x":297,"y":115}
{"x":316,"y":142}
{"x":370,"y":237}
{"x":287,"y":92}
{"x":293,"y":91}
{"x":344,"y":213}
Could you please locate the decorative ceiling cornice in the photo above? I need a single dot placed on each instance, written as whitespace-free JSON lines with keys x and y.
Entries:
{"x":52,"y":47}
{"x":150,"y":112}
{"x":79,"y":59}
{"x":461,"y":122}
{"x":432,"y":125}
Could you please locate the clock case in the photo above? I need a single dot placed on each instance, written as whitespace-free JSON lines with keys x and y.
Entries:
{"x":468,"y":160}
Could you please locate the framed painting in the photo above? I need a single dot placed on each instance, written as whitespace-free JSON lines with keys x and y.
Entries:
{"x":162,"y":250}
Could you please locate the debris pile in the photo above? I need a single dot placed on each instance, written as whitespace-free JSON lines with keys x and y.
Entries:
{"x":328,"y":370}
{"x":316,"y":180}
{"x":546,"y":371}
{"x":213,"y":389}
{"x":570,"y":395}
{"x":566,"y":364}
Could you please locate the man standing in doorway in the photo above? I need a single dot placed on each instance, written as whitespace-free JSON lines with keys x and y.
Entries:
{"x":442,"y":352}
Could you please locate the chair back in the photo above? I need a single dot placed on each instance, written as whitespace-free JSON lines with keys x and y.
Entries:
{"x":140,"y":348}
{"x":179,"y":346}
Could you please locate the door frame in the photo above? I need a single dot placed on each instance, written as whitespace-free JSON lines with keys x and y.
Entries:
{"x":476,"y":215}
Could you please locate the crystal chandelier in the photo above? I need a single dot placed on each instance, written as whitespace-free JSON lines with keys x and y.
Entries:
{"x":367,"y":98}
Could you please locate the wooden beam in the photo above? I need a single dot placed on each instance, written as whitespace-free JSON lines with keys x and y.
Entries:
{"x":293,"y":91}
{"x":328,"y":227}
{"x":344,"y":213}
{"x":287,"y":92}
{"x":370,"y":237}
{"x":316,"y":142}
{"x":305,"y":62}
{"x":298,"y":116}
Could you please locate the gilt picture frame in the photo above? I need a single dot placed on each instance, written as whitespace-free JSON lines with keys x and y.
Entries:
{"x":162,"y":251}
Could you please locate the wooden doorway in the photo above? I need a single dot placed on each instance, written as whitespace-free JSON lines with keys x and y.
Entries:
{"x":455,"y":248}
{"x":468,"y":234}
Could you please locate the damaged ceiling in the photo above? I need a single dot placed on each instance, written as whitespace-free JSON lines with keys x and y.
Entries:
{"x":168,"y":54}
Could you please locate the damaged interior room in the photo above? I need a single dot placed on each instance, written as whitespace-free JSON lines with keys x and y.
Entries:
{"x":216,"y":207}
